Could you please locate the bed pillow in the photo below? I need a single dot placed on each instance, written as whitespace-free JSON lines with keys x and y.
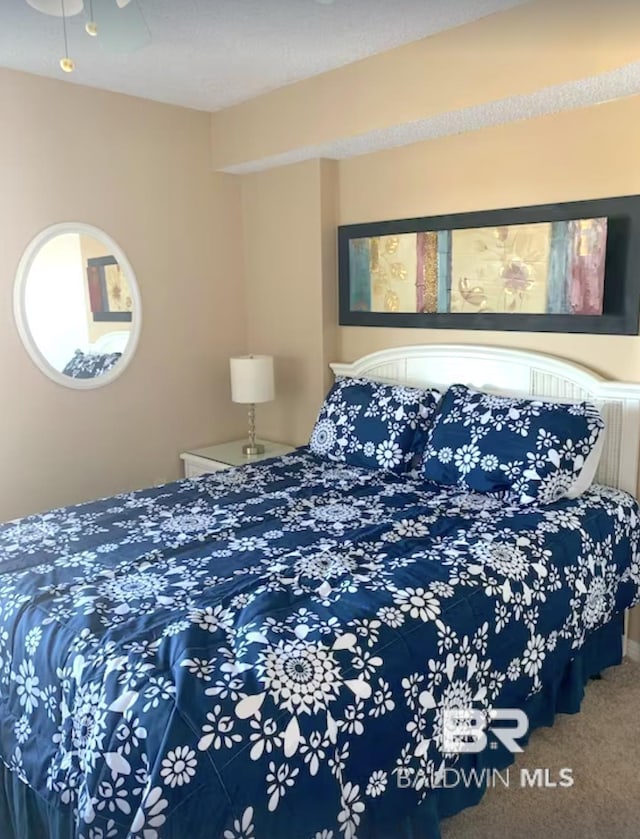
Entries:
{"x":535,"y":451}
{"x":89,"y":365}
{"x":374,"y":425}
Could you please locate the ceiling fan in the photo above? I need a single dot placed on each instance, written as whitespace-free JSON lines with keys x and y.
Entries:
{"x":119,"y":25}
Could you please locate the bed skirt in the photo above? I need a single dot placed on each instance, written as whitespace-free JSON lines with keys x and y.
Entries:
{"x":562,"y":695}
{"x":24,"y":815}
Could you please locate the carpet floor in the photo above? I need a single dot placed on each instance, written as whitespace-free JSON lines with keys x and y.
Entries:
{"x":601,"y":745}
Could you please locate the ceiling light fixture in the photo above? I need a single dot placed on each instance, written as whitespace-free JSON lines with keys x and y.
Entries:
{"x":120,"y":24}
{"x":67,"y":64}
{"x":91,"y":27}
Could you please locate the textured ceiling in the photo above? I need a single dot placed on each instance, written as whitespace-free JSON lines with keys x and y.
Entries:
{"x":209,"y":54}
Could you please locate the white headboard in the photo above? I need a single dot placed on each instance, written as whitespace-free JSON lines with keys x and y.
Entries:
{"x":111,"y":342}
{"x":520,"y":373}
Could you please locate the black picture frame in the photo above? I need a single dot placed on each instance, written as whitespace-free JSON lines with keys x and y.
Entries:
{"x":97,"y":290}
{"x":621,"y":303}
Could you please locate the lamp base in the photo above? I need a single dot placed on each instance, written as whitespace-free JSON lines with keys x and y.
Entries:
{"x":251,"y":449}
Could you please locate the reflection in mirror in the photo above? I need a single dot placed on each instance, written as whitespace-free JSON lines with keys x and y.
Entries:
{"x":77,"y":305}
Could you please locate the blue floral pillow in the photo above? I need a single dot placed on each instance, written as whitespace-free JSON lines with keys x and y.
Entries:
{"x":90,"y":365}
{"x":374,"y":425}
{"x":533,"y":450}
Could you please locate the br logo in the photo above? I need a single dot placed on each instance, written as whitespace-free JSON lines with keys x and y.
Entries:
{"x":465,"y":729}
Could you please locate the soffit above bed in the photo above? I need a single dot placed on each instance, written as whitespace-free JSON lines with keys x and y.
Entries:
{"x":605,"y":87}
{"x":541,"y":57}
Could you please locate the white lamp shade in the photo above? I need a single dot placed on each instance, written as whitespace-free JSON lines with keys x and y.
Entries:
{"x":252,"y":379}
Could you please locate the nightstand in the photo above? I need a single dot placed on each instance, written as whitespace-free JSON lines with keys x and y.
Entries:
{"x":226,"y":455}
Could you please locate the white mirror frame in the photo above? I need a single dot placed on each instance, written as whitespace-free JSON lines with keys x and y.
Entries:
{"x":20,"y":315}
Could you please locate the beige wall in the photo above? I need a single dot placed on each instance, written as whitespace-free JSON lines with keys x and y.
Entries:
{"x":140,"y":171}
{"x":290,"y":216}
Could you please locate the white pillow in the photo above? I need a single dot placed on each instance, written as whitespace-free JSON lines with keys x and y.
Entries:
{"x":588,"y":471}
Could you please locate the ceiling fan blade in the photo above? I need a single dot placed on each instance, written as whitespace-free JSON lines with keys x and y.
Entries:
{"x":120,"y":28}
{"x":54,"y":7}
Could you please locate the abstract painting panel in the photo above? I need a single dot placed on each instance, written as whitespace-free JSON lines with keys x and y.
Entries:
{"x":564,"y":267}
{"x":554,"y":267}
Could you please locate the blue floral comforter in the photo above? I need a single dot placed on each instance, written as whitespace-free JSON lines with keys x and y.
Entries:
{"x":258,"y":653}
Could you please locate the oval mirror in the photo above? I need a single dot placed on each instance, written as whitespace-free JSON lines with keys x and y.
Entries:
{"x":77,"y":305}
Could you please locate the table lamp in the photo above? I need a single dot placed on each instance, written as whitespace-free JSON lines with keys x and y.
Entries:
{"x":251,"y":383}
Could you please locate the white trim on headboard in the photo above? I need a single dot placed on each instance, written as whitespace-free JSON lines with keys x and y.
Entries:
{"x":520,"y":373}
{"x":112,"y":342}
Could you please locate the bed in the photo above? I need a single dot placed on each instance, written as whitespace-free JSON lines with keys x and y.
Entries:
{"x":268,"y":651}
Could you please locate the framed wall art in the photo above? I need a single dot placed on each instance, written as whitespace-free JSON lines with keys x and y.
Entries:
{"x":109,"y":293}
{"x":571,"y":267}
